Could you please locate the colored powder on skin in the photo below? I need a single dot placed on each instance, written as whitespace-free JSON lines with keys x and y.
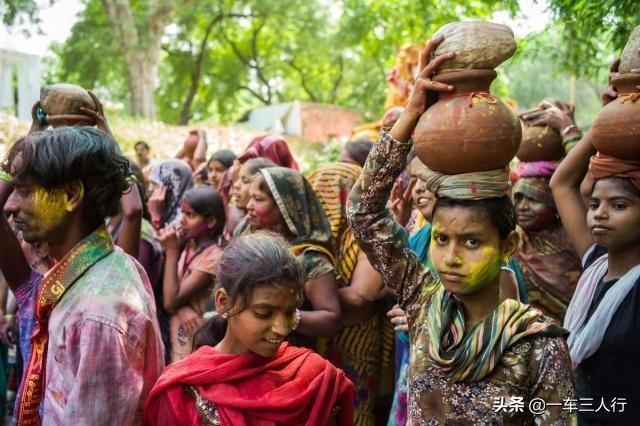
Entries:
{"x":199,"y":230}
{"x":483,"y":271}
{"x":50,"y":206}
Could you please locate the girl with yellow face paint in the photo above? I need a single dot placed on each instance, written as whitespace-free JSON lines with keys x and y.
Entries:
{"x":470,"y":346}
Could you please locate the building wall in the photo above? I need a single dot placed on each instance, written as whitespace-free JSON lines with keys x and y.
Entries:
{"x":321,"y":123}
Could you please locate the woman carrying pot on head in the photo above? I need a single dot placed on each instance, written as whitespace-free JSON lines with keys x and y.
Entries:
{"x":189,"y":270}
{"x":547,"y":262}
{"x":281,"y":200}
{"x":472,"y":349}
{"x":603,"y":316}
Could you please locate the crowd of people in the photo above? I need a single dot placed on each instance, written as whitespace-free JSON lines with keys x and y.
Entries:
{"x":237,"y":289}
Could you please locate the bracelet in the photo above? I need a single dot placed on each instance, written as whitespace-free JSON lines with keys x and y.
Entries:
{"x":4,"y":176}
{"x":567,"y":129}
{"x":296,"y":323}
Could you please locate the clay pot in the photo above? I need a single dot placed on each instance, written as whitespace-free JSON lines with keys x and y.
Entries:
{"x":630,"y":57}
{"x":477,"y":45}
{"x":62,"y":102}
{"x":469,"y":129}
{"x":616,"y":129}
{"x":540,"y":143}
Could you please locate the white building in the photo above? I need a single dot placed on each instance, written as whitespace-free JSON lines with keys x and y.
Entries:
{"x":20,"y":79}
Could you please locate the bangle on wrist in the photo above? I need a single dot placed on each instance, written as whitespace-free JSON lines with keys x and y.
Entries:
{"x":568,"y":129}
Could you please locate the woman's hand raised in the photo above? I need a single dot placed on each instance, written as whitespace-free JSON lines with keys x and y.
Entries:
{"x":424,"y":93}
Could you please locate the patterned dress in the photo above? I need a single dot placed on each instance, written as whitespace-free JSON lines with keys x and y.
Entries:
{"x":356,"y":349}
{"x":533,"y":368}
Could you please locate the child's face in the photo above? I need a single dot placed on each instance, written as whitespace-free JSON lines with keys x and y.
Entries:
{"x":266,"y":320}
{"x":241,"y":187}
{"x":466,"y":249}
{"x":215,"y":173}
{"x":614,"y":215}
{"x":193,"y":224}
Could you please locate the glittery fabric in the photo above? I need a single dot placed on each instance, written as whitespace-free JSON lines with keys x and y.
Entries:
{"x":534,"y":367}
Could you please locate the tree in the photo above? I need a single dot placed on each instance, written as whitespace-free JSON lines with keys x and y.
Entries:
{"x":139,"y":28}
{"x":592,"y":32}
{"x":222,"y":57}
{"x":12,"y":10}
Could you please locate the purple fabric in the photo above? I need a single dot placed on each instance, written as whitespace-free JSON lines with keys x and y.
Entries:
{"x":535,"y":169}
{"x":26,"y":294}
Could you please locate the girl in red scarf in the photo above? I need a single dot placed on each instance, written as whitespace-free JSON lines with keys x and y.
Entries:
{"x":244,"y":373}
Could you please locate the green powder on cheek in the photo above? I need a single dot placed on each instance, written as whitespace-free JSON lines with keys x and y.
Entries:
{"x":484,"y":270}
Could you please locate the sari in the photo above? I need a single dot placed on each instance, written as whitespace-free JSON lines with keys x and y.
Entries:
{"x":356,"y":349}
{"x":176,"y":176}
{"x":295,"y":386}
{"x":546,"y":259}
{"x":272,"y":147}
{"x":308,"y":226}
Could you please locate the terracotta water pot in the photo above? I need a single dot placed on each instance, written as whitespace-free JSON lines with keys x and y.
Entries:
{"x":62,"y":103}
{"x":476,"y":44}
{"x":630,"y":58}
{"x":540,"y":143}
{"x":616,"y":129}
{"x":469,"y":129}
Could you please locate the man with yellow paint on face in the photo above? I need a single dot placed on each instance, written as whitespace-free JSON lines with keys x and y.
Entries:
{"x":95,"y":332}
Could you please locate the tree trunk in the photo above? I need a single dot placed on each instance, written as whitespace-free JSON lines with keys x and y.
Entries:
{"x":141,"y":72}
{"x":141,"y":48}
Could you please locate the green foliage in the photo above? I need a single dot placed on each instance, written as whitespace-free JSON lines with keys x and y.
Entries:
{"x":14,"y":10}
{"x":91,"y":56}
{"x":592,"y":32}
{"x":223,"y":57}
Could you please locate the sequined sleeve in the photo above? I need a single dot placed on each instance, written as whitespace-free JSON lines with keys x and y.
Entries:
{"x":383,"y":240}
{"x":553,"y":383}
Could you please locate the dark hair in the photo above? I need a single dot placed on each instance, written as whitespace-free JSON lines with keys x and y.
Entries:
{"x":224,"y":156}
{"x":624,"y":183}
{"x":499,"y":211}
{"x":254,"y":165}
{"x":358,"y":150}
{"x":54,"y":157}
{"x":144,"y":144}
{"x":142,"y":188}
{"x":207,"y":201}
{"x":258,"y":260}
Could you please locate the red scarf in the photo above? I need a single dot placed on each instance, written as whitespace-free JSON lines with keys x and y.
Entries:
{"x":295,"y":386}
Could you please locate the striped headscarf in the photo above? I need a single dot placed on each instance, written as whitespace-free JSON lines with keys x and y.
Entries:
{"x":472,"y":355}
{"x":332,"y":184}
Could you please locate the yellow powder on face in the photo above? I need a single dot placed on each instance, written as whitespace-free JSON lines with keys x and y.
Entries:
{"x":50,"y":206}
{"x":484,"y":270}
